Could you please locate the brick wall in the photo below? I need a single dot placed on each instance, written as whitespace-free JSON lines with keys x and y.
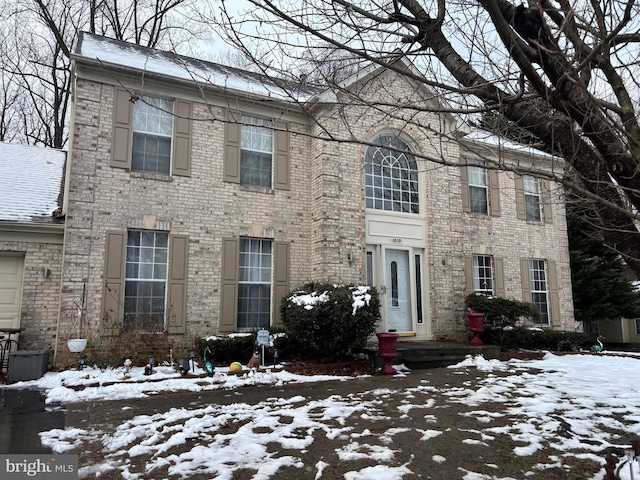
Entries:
{"x":322,"y":215}
{"x":40,"y":295}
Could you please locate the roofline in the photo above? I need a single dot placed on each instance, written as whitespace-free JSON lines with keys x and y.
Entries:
{"x":100,"y":65}
{"x":35,"y":233}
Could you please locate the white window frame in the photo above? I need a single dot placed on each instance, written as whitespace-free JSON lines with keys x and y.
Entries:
{"x":255,"y":282}
{"x":391,"y":177}
{"x":538,"y":278}
{"x":147,"y":269}
{"x":478,"y":179}
{"x":532,"y":198}
{"x":256,"y":151}
{"x":483,"y":274}
{"x":152,"y":124}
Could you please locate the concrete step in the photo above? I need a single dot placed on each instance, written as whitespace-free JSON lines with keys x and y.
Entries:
{"x":419,"y":355}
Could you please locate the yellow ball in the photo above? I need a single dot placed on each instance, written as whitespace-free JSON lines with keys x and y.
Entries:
{"x":235,"y":367}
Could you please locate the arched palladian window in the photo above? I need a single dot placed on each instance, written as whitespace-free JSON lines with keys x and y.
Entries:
{"x":391,"y":176}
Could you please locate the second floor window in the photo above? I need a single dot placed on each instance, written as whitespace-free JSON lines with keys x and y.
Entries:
{"x":152,"y":133}
{"x":391,"y":176}
{"x":256,"y":151}
{"x":532,"y":198}
{"x":478,"y":187}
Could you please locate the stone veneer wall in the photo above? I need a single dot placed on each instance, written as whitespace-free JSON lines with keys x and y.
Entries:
{"x":40,"y":296}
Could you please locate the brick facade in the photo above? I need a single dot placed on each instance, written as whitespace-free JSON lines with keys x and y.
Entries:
{"x":40,"y":293}
{"x":322,"y":215}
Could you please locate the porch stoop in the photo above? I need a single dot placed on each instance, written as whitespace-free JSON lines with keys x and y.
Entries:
{"x":419,"y":355}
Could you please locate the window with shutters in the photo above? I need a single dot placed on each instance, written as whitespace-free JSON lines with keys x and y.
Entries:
{"x":391,"y":176}
{"x":483,"y":274}
{"x":532,"y":198}
{"x":145,"y":287}
{"x":478,"y":187}
{"x":539,"y":288}
{"x":152,"y":134}
{"x":254,"y":282}
{"x":256,"y":151}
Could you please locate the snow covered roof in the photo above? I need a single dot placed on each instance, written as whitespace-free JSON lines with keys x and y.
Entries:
{"x":115,"y":53}
{"x":31,"y":183}
{"x":493,"y":141}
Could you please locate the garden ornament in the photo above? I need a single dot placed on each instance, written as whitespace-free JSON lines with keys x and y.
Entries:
{"x":599,"y":346}
{"x":208,"y":365}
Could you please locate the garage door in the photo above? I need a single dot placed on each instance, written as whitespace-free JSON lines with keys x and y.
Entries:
{"x":11,"y":271}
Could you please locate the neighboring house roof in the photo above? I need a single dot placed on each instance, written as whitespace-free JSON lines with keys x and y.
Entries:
{"x":31,"y":184}
{"x":111,"y":53}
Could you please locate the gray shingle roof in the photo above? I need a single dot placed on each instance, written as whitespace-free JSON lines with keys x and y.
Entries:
{"x":31,"y":183}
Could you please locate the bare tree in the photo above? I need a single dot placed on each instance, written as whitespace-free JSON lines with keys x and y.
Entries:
{"x":566,"y":73}
{"x":36,"y":59}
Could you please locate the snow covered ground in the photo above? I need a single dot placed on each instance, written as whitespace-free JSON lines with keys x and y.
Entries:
{"x":577,"y":404}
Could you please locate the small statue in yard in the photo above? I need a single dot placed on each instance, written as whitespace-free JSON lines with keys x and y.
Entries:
{"x":127,"y":369}
{"x":255,"y":360}
{"x":599,"y":346}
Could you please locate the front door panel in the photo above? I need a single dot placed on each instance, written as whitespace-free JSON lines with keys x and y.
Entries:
{"x":398,"y":291}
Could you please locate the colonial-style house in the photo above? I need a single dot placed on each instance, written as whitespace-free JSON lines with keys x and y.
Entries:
{"x":199,"y":195}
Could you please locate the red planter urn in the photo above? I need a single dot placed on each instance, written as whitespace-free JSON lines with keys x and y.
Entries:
{"x":387,"y":350}
{"x":476,"y":325}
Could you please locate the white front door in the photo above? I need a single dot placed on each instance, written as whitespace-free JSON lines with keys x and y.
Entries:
{"x":398,"y":290}
{"x":11,"y":272}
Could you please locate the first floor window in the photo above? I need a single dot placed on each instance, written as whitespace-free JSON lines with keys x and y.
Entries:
{"x":254,"y":283}
{"x":418,"y":268}
{"x":483,"y":274}
{"x":539,"y":293}
{"x":152,"y":133}
{"x":146,"y":279}
{"x":369,"y":268}
{"x":637,"y":326}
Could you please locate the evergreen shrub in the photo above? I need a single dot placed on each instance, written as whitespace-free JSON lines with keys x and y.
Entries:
{"x":330,"y":321}
{"x":503,"y":326}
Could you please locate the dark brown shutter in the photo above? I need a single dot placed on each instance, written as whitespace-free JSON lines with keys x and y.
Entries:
{"x":554,"y":301}
{"x":182,"y":139}
{"x":114,"y":262}
{"x":521,"y":208}
{"x":468,"y":272}
{"x":280,"y":278}
{"x":177,"y":283}
{"x":494,"y":193}
{"x":545,"y":192}
{"x":464,"y":186}
{"x":232,"y":147}
{"x":498,"y":273}
{"x":281,"y":157}
{"x":122,"y":120}
{"x":525,"y":279}
{"x":229,"y":291}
